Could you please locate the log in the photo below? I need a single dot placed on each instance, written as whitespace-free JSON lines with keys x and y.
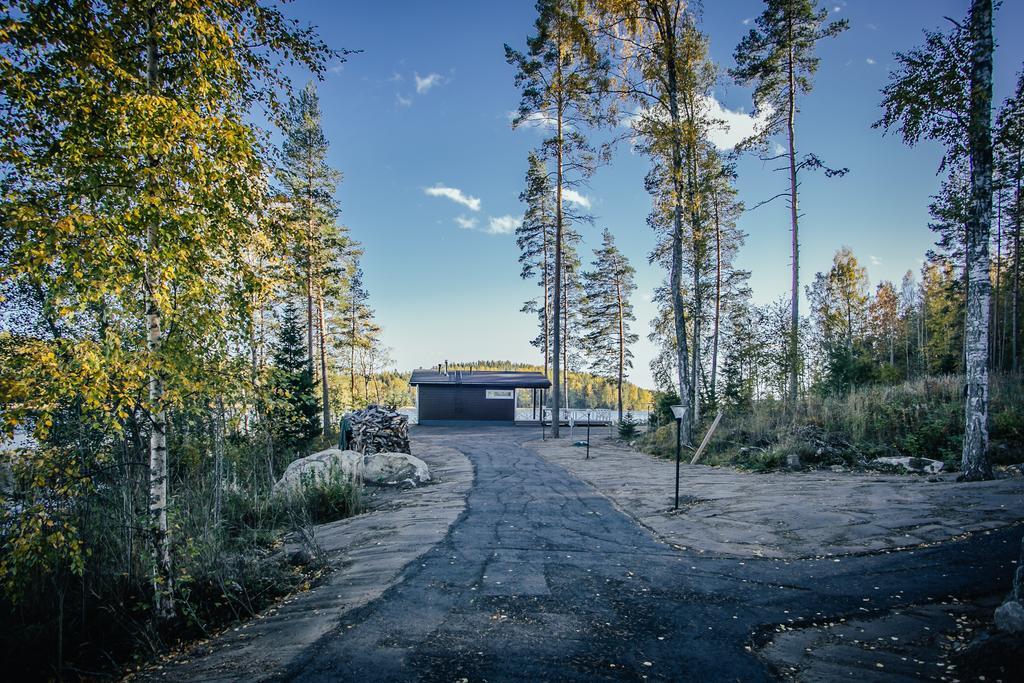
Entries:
{"x":707,"y":437}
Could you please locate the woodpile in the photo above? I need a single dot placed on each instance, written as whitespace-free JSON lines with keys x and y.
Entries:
{"x":378,"y":429}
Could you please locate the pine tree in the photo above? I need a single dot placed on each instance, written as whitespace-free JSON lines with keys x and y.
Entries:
{"x":1010,"y":167}
{"x":294,"y":409}
{"x":778,"y":58}
{"x":563,"y":77}
{"x":535,"y":238}
{"x":309,"y":183}
{"x":608,"y":313}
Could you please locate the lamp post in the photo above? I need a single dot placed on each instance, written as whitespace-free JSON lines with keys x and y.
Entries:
{"x":588,"y":435}
{"x":679,"y":412}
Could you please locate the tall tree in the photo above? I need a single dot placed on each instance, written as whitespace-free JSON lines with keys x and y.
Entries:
{"x":1010,"y":161}
{"x":309,"y":183}
{"x":778,"y":58}
{"x":608,"y":313}
{"x":563,"y":77}
{"x":664,"y":69}
{"x":131,"y":176}
{"x":535,"y":238}
{"x":975,"y":463}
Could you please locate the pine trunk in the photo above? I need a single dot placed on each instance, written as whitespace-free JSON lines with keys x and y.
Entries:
{"x":794,"y":328}
{"x":975,"y":464}
{"x":556,"y":366}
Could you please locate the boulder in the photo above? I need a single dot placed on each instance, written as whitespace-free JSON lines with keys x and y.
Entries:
{"x":319,"y":466}
{"x":917,"y":465}
{"x":793,"y":461}
{"x":1009,"y":617}
{"x":394,"y":469}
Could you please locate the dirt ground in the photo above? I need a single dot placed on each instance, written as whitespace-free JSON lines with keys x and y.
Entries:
{"x":727,"y":512}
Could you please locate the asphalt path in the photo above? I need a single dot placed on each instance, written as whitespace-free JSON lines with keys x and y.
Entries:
{"x":542,"y":578}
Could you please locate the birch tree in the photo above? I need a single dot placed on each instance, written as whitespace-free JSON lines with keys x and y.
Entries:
{"x":778,"y":59}
{"x":563,"y":77}
{"x":975,"y":463}
{"x":608,"y":314}
{"x":131,"y":176}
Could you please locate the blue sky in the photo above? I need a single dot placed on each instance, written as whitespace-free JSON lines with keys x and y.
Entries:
{"x":426,"y":105}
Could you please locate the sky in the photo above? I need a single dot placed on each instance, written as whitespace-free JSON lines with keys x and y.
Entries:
{"x":419,"y":124}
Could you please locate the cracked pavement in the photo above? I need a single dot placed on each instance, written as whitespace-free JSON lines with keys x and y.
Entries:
{"x":543,"y":578}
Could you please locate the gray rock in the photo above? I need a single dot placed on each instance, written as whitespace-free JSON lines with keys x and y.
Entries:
{"x":793,"y":461}
{"x":319,"y":467}
{"x":394,"y":469}
{"x":1010,"y":617}
{"x":919,"y":465}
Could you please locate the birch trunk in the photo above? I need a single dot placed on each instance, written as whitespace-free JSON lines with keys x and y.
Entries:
{"x":163,"y":585}
{"x":676,"y":270}
{"x":975,"y":464}
{"x":718,"y":303}
{"x":622,"y":344}
{"x":325,"y":394}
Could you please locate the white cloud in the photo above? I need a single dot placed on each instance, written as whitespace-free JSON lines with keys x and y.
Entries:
{"x":465,"y":223}
{"x":537,"y":119}
{"x":336,"y":69}
{"x":455,"y":195}
{"x":403,"y":101}
{"x":425,"y":83}
{"x":734,"y":126}
{"x":870,"y":61}
{"x":504,"y":225}
{"x":875,"y":261}
{"x":573,"y":197}
{"x":746,"y":22}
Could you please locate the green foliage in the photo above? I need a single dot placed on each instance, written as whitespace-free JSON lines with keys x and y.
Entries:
{"x":325,"y":499}
{"x":293,"y":409}
{"x":628,"y":427}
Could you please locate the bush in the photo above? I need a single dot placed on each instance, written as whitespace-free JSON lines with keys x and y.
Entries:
{"x":921,"y":418}
{"x":324,"y":499}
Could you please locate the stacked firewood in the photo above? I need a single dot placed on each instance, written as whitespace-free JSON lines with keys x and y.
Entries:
{"x":378,"y":429}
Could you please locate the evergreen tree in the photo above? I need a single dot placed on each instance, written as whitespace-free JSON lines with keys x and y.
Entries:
{"x":608,"y":313}
{"x":309,"y":184}
{"x":778,"y":58}
{"x":563,"y":77}
{"x":535,"y":238}
{"x":294,"y":410}
{"x":839,"y":303}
